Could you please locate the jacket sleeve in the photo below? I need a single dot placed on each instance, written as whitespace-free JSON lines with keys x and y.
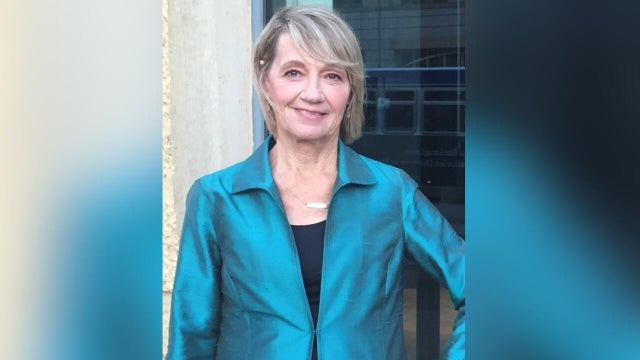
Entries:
{"x":195,"y":304}
{"x":434,"y":245}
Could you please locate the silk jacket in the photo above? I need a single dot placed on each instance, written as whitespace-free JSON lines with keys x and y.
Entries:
{"x":238,"y":291}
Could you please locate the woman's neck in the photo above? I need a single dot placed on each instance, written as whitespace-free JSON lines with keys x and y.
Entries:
{"x":305,"y":175}
{"x":304,"y":159}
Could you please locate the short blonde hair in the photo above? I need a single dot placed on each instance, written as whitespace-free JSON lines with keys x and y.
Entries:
{"x":327,"y":38}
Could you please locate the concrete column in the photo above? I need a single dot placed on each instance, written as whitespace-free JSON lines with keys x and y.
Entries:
{"x":207,"y":103}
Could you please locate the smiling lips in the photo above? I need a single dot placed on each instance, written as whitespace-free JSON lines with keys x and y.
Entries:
{"x":310,"y":114}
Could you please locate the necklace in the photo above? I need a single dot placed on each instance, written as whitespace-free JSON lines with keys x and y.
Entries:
{"x":317,"y":205}
{"x":311,"y":205}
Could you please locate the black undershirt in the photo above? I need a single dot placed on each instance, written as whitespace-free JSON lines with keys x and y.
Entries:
{"x":310,"y":243}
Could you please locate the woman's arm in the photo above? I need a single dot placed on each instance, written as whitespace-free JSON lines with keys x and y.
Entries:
{"x":435,"y":246}
{"x":195,"y":304}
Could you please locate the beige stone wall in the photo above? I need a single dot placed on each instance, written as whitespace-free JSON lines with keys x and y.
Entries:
{"x":206,"y":106}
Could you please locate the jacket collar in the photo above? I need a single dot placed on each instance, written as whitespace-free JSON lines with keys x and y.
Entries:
{"x":255,"y":172}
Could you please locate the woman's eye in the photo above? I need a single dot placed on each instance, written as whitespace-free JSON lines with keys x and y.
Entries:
{"x":292,"y":73}
{"x":334,"y":76}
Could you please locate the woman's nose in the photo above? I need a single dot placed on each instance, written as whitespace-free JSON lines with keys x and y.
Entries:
{"x":311,"y":91}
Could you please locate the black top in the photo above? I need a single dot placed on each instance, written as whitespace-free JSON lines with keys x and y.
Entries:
{"x":310,"y":244}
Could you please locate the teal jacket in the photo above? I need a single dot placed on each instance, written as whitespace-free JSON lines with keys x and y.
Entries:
{"x":238,"y":291}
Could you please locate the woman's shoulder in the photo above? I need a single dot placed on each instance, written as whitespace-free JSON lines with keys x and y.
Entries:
{"x":217,"y":181}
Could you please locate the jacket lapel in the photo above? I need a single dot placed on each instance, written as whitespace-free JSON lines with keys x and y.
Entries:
{"x":255,"y":172}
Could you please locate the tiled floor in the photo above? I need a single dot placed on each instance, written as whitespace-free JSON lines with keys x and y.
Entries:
{"x":447,"y":315}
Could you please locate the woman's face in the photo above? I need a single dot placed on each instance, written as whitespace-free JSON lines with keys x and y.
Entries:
{"x":309,"y":96}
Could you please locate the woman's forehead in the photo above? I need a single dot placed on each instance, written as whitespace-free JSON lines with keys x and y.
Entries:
{"x":287,"y":51}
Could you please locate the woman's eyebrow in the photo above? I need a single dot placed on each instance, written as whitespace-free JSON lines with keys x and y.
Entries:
{"x":300,"y":64}
{"x":334,"y":66}
{"x":293,"y":63}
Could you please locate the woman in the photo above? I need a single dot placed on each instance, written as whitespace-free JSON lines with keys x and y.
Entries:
{"x":296,"y":252}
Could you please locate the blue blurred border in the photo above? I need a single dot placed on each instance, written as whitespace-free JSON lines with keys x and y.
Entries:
{"x":552,"y":180}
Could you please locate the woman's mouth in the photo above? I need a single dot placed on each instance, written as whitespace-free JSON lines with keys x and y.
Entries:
{"x":311,"y":114}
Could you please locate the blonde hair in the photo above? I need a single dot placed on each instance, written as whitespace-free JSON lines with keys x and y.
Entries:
{"x":327,"y":38}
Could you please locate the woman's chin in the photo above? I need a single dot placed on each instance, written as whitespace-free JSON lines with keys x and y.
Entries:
{"x":311,"y":136}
